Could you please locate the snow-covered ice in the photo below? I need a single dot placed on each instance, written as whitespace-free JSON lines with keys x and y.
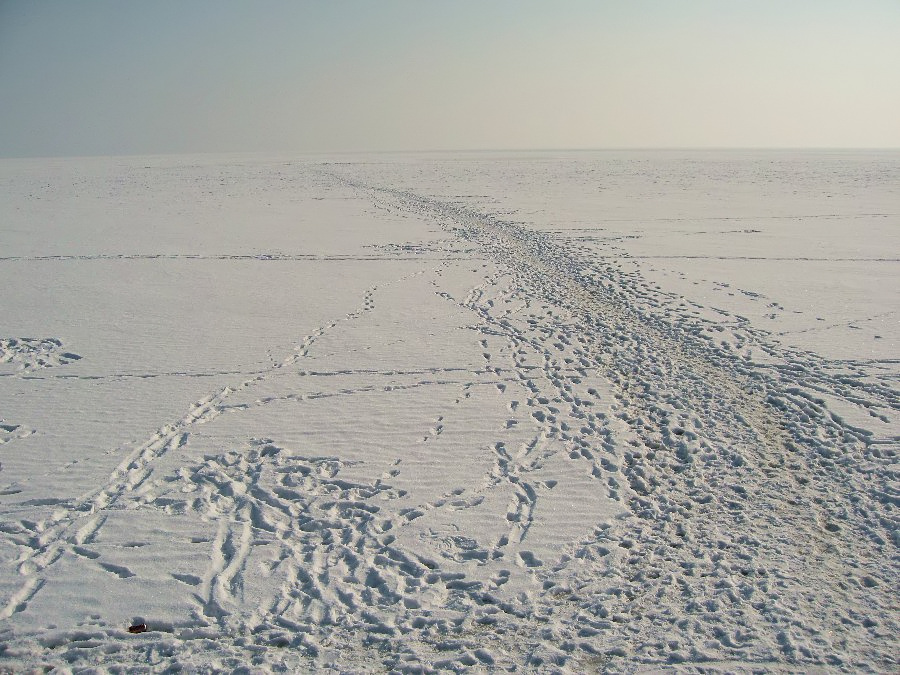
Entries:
{"x":613,"y":411}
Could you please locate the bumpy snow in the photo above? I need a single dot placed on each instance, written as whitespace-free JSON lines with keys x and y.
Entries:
{"x":539,"y":412}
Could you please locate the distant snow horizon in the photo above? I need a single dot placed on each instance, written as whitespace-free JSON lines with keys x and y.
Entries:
{"x":463,"y":151}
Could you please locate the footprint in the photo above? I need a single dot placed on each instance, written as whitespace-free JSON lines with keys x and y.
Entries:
{"x":528,"y":559}
{"x":188,"y":579}
{"x":118,"y":570}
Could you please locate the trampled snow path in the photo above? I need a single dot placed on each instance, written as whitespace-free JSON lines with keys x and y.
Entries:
{"x":748,"y":500}
{"x":659,"y":489}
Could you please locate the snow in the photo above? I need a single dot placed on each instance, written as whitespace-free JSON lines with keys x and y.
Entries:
{"x":553,"y":411}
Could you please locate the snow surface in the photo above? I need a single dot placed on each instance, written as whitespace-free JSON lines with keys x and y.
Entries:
{"x":613,"y":411}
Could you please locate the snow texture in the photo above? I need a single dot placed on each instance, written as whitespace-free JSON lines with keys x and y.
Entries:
{"x":542,"y":412}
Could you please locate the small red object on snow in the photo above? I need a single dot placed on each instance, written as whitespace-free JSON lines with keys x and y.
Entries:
{"x":137,"y":628}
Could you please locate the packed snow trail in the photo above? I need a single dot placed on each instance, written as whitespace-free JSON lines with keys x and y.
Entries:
{"x":760,"y":524}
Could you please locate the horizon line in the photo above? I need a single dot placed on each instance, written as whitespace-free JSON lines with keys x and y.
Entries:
{"x":634,"y":148}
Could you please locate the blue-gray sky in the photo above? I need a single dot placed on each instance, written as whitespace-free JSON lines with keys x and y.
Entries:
{"x":98,"y":77}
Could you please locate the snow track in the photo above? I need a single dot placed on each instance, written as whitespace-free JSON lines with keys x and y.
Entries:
{"x":708,"y":442}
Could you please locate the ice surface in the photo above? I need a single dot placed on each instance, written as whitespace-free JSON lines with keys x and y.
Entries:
{"x":541,"y":411}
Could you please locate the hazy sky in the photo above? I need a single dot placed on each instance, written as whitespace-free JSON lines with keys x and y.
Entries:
{"x":129,"y":77}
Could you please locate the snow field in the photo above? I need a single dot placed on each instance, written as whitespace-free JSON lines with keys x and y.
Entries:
{"x":589,"y":412}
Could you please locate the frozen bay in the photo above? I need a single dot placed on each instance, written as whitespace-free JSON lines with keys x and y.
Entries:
{"x":577,"y":411}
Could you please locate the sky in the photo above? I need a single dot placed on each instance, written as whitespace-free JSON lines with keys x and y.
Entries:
{"x":113,"y":77}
